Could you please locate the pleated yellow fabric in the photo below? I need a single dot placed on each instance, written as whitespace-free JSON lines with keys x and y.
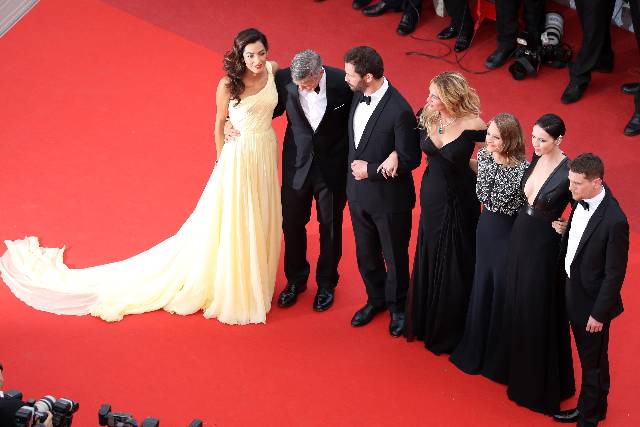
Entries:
{"x":223,"y":260}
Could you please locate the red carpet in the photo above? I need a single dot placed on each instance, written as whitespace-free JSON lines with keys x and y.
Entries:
{"x":105,"y":145}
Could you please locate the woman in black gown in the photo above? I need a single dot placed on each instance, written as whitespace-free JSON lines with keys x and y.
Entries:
{"x":501,"y":165}
{"x":539,"y":368}
{"x":445,"y":251}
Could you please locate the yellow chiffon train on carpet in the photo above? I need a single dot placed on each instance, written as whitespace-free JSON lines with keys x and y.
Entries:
{"x":223,"y":260}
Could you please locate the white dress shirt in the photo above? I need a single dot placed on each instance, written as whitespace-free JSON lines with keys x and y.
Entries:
{"x":314,"y":104}
{"x":363,"y":111}
{"x":579,"y":222}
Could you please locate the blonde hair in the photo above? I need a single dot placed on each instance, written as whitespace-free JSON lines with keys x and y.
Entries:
{"x":511,"y":135}
{"x":458,"y":97}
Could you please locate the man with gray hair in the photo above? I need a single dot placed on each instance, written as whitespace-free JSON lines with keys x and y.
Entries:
{"x":314,"y":166}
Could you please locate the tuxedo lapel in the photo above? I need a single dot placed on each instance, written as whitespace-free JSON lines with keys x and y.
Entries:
{"x":331,"y":98}
{"x":292,"y":88}
{"x":593,"y":223}
{"x":356,"y":100}
{"x":366,"y":134}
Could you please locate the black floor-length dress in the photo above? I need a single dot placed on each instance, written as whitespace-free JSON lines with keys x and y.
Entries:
{"x":445,"y":251}
{"x":498,"y":189}
{"x":539,"y":368}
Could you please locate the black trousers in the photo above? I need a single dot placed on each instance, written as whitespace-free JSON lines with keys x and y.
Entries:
{"x":595,"y":52}
{"x":296,"y":213}
{"x":382,"y":251}
{"x":635,"y":18}
{"x":406,"y":5}
{"x":460,"y":13}
{"x":593,"y":351}
{"x":507,"y":20}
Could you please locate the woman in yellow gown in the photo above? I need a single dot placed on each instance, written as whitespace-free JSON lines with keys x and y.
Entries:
{"x":224,"y":258}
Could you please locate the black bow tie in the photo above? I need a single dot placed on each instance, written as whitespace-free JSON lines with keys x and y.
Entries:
{"x":366,"y":99}
{"x":317,"y":89}
{"x":584,"y":204}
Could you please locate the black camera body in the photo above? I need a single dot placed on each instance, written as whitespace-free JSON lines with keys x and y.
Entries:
{"x":123,"y":419}
{"x":526,"y":57}
{"x":35,"y":411}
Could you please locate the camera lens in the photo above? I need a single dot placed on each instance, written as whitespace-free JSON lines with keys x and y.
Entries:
{"x":45,"y":404}
{"x":553,"y":29}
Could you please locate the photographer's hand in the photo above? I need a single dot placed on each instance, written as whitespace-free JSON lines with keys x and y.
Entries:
{"x":47,"y":423}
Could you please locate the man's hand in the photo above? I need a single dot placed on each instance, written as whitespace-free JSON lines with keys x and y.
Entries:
{"x":559,"y":225}
{"x":359,"y":169}
{"x":230,"y":133}
{"x":593,"y":325}
{"x":389,"y":168}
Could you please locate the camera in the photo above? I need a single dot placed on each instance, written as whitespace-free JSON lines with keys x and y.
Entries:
{"x":34,"y":412}
{"x":526,"y":57}
{"x":122,"y":419}
{"x":548,"y":50}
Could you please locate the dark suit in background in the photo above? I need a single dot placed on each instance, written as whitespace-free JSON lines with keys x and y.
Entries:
{"x":314,"y":165}
{"x":381,"y":208}
{"x":593,"y":289}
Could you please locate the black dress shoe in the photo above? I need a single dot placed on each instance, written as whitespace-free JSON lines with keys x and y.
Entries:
{"x":365,"y":315}
{"x":499,"y":57}
{"x":359,"y":4}
{"x":408,"y":23}
{"x":463,"y":42}
{"x":448,"y":33}
{"x":630,"y":88}
{"x":323,"y":299}
{"x":289,"y":295}
{"x":569,"y":416}
{"x":633,"y":127}
{"x":396,"y":326}
{"x":572,"y":93}
{"x":380,"y":8}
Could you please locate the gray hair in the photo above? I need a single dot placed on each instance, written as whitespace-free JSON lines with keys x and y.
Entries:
{"x":304,"y":64}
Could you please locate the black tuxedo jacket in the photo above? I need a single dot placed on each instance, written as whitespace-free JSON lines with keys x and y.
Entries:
{"x":327,"y":146}
{"x":392,"y":126}
{"x":600,"y":262}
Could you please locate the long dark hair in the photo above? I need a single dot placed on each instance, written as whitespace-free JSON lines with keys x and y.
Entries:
{"x":234,"y":64}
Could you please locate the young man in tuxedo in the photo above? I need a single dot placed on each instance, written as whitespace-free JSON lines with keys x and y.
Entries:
{"x":381,"y":195}
{"x":314,"y":166}
{"x":595,"y":248}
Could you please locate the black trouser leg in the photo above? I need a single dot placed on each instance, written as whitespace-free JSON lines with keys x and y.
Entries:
{"x":594,"y":361}
{"x":460,"y":15}
{"x":329,"y":209}
{"x":635,"y":18}
{"x":296,"y":213}
{"x":409,"y":5}
{"x":593,"y":351}
{"x":534,"y":12}
{"x":507,"y":22}
{"x":369,"y":255}
{"x":394,"y":230}
{"x":595,"y":22}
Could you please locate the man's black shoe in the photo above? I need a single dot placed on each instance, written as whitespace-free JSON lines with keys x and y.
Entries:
{"x":448,"y":33}
{"x":289,"y":295}
{"x":463,"y":42}
{"x":630,"y":88}
{"x":633,"y":127}
{"x":359,"y":4}
{"x":572,"y":93}
{"x":380,"y":8}
{"x":323,"y":299}
{"x":365,"y":314}
{"x":499,"y":57}
{"x":569,"y":416}
{"x":408,"y":23}
{"x":396,"y":326}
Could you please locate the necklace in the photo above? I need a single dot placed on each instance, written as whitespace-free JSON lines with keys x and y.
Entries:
{"x":441,"y":125}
